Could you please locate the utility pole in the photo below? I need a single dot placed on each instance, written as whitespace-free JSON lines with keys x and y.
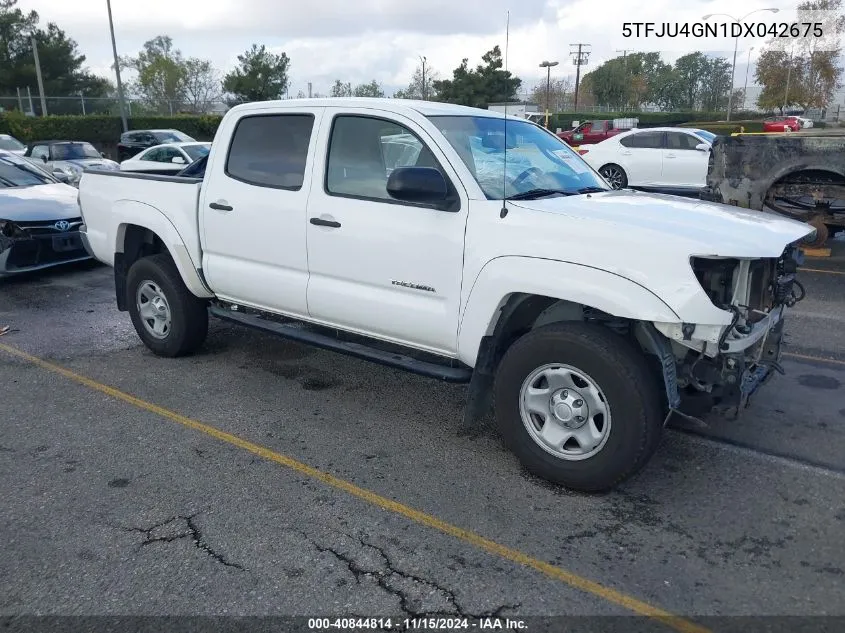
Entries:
{"x":423,"y":76}
{"x":309,"y":89}
{"x":625,"y":52}
{"x":580,"y":59}
{"x":29,"y":96}
{"x":117,"y":71}
{"x":20,"y":101}
{"x":40,"y":79}
{"x":788,"y":75}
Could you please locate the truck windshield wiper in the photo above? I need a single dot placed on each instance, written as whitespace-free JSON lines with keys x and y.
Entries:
{"x":539,"y":193}
{"x":590,"y":190}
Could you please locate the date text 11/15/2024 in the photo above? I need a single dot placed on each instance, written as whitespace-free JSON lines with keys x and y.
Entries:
{"x":412,"y":624}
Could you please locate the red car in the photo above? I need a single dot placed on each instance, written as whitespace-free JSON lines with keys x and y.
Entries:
{"x":781,"y":124}
{"x":591,"y":132}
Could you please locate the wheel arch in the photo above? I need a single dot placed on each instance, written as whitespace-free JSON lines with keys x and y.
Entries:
{"x":156,"y":235}
{"x":495,"y":317}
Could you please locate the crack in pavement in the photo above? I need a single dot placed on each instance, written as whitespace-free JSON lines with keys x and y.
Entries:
{"x":385,"y":578}
{"x":191,"y":530}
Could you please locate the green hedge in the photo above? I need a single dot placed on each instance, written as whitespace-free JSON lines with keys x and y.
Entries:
{"x":723,"y":127}
{"x":101,"y":129}
{"x":646,"y":119}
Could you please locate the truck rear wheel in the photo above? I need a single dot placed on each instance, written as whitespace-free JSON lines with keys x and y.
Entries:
{"x":169,"y":319}
{"x":578,"y":405}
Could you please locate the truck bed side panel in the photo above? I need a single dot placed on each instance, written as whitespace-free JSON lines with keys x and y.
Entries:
{"x":110,"y":201}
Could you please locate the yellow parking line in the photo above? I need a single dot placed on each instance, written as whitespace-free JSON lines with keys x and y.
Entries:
{"x":820,"y":270}
{"x":573,"y":580}
{"x":816,"y":358}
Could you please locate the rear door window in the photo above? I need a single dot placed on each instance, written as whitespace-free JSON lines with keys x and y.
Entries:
{"x":270,"y":150}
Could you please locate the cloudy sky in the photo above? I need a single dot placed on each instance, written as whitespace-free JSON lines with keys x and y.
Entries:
{"x":360,"y":40}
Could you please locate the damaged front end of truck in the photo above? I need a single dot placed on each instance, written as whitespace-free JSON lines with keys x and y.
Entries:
{"x":717,"y":368}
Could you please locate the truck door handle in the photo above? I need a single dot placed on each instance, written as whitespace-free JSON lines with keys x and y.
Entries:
{"x":321,"y":222}
{"x":220,"y":207}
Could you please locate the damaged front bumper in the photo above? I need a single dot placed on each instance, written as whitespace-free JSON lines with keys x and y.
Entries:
{"x":37,"y":248}
{"x":725,"y":384}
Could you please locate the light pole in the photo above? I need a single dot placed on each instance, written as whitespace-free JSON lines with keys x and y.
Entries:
{"x":117,"y":71}
{"x":422,"y":59}
{"x":736,"y":45}
{"x":548,"y":66}
{"x":745,"y":88}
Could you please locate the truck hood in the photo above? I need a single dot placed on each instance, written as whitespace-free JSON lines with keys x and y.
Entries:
{"x":701,"y":228}
{"x":39,"y":203}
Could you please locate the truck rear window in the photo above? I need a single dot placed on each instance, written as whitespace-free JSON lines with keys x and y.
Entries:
{"x":270,"y":150}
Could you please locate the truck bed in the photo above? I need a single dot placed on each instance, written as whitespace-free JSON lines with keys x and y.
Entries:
{"x":111,"y":199}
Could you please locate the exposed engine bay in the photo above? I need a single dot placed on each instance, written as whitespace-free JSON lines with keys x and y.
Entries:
{"x":755,"y":291}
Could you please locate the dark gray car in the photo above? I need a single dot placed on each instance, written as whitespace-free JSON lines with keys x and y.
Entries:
{"x":39,"y":218}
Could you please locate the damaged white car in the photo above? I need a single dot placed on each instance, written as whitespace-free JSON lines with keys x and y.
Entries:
{"x":39,"y":219}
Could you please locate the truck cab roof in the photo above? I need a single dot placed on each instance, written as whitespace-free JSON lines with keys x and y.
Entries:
{"x":399,"y":106}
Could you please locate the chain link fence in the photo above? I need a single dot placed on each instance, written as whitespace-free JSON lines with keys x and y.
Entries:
{"x":30,"y":104}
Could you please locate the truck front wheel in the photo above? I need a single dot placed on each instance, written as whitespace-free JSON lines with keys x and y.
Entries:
{"x":169,"y":319}
{"x":578,"y":405}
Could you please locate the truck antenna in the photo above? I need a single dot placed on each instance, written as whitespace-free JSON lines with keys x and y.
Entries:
{"x":504,"y":210}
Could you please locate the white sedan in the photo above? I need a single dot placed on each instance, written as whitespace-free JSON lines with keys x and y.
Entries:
{"x":668,"y":159}
{"x":166,"y":159}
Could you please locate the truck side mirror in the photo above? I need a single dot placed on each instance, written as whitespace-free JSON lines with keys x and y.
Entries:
{"x":417,"y":184}
{"x":702,"y":147}
{"x":44,"y":157}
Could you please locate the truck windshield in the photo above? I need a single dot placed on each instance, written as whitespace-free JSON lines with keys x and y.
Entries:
{"x":536,"y":160}
{"x":74,"y":151}
{"x":17,"y":172}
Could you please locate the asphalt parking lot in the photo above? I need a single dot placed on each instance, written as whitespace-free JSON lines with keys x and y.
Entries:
{"x":262,"y":477}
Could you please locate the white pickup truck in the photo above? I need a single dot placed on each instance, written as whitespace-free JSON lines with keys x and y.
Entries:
{"x":463,"y":245}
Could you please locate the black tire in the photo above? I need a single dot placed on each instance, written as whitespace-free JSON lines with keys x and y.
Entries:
{"x":630,"y":389}
{"x":619,"y":182}
{"x":188,"y":313}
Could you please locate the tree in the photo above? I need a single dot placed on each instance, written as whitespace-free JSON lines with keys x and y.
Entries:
{"x":260,"y":76}
{"x":62,"y":66}
{"x":202,"y":85}
{"x":560,"y":91}
{"x":161,"y":72}
{"x":609,"y":83}
{"x":715,"y":84}
{"x":689,"y":69}
{"x":804,"y":71}
{"x":629,"y":81}
{"x":340,"y":89}
{"x":418,"y":89}
{"x":779,"y":74}
{"x":488,"y":83}
{"x":372,"y":89}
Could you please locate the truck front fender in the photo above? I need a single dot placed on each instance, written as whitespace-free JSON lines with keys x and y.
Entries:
{"x":503,"y":276}
{"x":133,"y":213}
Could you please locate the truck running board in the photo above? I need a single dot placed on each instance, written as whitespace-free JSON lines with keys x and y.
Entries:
{"x":308,"y":334}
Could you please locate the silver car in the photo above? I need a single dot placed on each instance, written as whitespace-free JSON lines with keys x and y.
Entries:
{"x":66,"y":160}
{"x":39,"y":218}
